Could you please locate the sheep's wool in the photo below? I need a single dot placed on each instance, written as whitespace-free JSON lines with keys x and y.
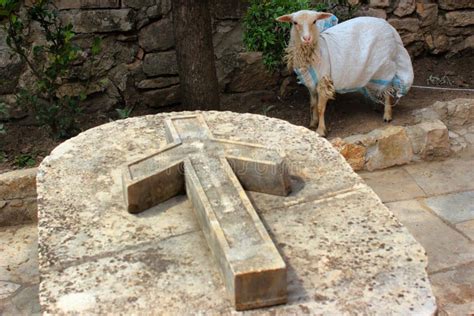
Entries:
{"x":363,"y":54}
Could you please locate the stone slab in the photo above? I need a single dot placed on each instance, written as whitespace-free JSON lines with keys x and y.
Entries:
{"x":443,"y":177}
{"x":458,"y":297}
{"x":455,"y":207}
{"x":344,"y":250}
{"x":19,"y":276}
{"x":445,"y":246}
{"x":393,"y":184}
{"x":467,"y":228}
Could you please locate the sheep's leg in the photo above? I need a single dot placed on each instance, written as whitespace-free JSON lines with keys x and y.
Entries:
{"x":322,"y":108}
{"x":314,"y":110}
{"x":387,"y":114}
{"x":325,"y":92}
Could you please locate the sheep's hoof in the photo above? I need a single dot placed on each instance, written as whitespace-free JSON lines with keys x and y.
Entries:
{"x":321,"y":132}
{"x":387,"y":119}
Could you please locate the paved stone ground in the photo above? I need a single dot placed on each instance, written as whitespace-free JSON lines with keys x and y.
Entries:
{"x":434,"y":200}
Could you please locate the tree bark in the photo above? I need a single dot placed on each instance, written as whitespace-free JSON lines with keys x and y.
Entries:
{"x":195,"y":54}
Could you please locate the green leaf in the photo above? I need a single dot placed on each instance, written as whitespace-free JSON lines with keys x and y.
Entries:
{"x":96,"y":46}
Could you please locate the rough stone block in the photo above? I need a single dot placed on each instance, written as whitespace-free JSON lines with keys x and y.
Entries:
{"x":428,"y":13}
{"x":157,"y":83}
{"x":392,"y":148}
{"x":353,"y":153}
{"x":10,"y":66}
{"x":18,"y":184}
{"x":429,"y":139}
{"x":379,"y":3}
{"x":157,"y":64}
{"x":157,"y":36}
{"x":100,"y":21}
{"x":405,"y":7}
{"x":17,"y":212}
{"x":456,"y":4}
{"x":407,"y":24}
{"x":460,"y":18}
{"x":162,"y":97}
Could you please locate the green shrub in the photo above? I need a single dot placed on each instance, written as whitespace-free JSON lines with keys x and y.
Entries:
{"x":50,"y":64}
{"x":263,"y":33}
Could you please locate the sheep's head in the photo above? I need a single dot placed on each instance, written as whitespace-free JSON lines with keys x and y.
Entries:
{"x":304,"y":27}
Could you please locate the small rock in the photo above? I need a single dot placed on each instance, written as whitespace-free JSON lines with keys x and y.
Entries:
{"x":460,"y":18}
{"x":392,"y":148}
{"x":429,"y":139}
{"x":354,"y":154}
{"x":379,"y":3}
{"x":157,"y":64}
{"x":157,"y":36}
{"x":428,"y":13}
{"x":456,"y":4}
{"x":405,"y":7}
{"x":406,"y":24}
{"x":157,"y":83}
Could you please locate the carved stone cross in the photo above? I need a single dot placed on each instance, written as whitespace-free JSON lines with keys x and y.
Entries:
{"x":214,"y":173}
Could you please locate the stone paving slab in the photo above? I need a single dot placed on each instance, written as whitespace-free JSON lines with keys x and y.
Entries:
{"x":467,"y":228}
{"x":19,"y":277}
{"x":454,"y":290}
{"x":443,"y":177}
{"x":445,"y":247}
{"x":345,"y":251}
{"x":455,"y":208}
{"x":393,"y":184}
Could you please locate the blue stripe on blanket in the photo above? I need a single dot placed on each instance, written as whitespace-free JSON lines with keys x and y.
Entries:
{"x":314,"y":76}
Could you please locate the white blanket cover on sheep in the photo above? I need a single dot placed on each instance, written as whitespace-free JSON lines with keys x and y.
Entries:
{"x":363,"y":54}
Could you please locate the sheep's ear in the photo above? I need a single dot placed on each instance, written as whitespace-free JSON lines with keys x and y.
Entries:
{"x":285,"y":18}
{"x":323,"y":15}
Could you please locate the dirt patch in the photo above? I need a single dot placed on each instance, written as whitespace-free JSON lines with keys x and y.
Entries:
{"x":27,"y":143}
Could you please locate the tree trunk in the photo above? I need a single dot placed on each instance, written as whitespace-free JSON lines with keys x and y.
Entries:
{"x":195,"y":54}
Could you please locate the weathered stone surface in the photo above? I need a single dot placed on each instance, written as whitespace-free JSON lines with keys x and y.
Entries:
{"x":407,"y":24}
{"x":252,"y":74}
{"x":392,"y":184}
{"x":455,"y":4}
{"x":219,"y":201}
{"x":445,"y":247}
{"x":444,"y":177}
{"x":346,"y":250}
{"x":458,"y":297}
{"x":392,"y":148}
{"x":138,"y":4}
{"x":428,"y":13}
{"x":460,"y":18}
{"x":18,"y":184}
{"x":354,"y":154}
{"x":429,"y":139}
{"x":162,"y":97}
{"x":405,"y":7}
{"x":455,"y":113}
{"x":376,"y":13}
{"x":85,"y":4}
{"x":157,"y":83}
{"x":157,"y":64}
{"x":157,"y":36}
{"x":19,"y":270}
{"x":379,"y":3}
{"x":455,"y":207}
{"x":467,"y":228}
{"x":18,"y":211}
{"x":90,"y":21}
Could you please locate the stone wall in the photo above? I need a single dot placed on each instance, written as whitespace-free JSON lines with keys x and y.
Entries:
{"x":138,"y":63}
{"x":18,"y":197}
{"x":434,"y":26}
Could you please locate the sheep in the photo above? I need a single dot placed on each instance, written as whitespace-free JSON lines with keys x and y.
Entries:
{"x":363,"y":54}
